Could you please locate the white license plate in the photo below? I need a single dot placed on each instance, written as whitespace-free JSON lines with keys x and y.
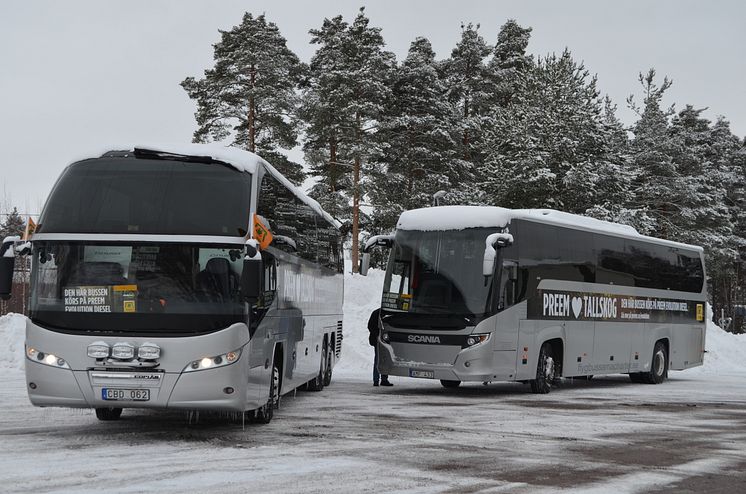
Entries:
{"x":119,"y":394}
{"x":426,"y":374}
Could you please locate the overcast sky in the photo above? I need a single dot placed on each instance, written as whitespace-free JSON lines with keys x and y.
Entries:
{"x":80,"y":75}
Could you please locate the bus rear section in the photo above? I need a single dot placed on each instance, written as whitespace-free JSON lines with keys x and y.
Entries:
{"x":537,"y":296}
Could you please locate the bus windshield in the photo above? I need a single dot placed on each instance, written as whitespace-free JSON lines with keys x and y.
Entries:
{"x":148,"y":196}
{"x":136,"y":287}
{"x":438,"y":273}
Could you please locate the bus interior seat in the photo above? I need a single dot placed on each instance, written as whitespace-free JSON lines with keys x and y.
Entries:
{"x":218,"y":278}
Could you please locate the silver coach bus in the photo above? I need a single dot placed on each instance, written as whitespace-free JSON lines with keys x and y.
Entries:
{"x":491,"y":294}
{"x":192,"y":277}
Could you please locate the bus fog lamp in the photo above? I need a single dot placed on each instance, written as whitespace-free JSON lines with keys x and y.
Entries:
{"x":123,"y":351}
{"x":98,"y":350}
{"x":149,"y":351}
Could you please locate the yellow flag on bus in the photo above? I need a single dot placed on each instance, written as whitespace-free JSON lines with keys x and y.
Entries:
{"x":261,"y":232}
{"x":30,"y":228}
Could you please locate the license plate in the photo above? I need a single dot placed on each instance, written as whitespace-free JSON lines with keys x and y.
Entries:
{"x":426,"y":374}
{"x":119,"y":394}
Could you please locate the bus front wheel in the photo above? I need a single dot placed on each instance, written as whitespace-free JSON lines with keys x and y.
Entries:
{"x":545,"y":371}
{"x":450,"y":384}
{"x":108,"y":413}
{"x":264,"y":414}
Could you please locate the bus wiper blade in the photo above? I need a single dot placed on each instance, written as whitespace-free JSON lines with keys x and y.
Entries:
{"x":160,"y":155}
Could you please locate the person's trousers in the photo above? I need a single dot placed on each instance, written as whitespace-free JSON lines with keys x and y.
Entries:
{"x":376,"y":375}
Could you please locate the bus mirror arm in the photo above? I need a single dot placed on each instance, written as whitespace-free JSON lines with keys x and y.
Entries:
{"x":251,"y":275}
{"x":7,"y":265}
{"x":494,"y":241}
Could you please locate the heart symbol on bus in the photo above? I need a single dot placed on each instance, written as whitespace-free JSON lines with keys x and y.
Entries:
{"x":577,"y":305}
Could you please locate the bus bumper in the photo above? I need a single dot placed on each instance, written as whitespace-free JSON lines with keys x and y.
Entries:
{"x":476,"y":364}
{"x":221,"y":389}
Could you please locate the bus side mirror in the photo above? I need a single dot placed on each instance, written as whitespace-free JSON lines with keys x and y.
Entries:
{"x":252,"y":275}
{"x":374,"y":241}
{"x":7,"y":265}
{"x":494,"y":241}
{"x":365,"y":264}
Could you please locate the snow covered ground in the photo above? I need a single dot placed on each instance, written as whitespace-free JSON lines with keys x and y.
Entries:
{"x":607,"y":435}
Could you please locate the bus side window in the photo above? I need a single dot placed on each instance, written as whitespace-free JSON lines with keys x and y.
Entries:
{"x":508,"y":284}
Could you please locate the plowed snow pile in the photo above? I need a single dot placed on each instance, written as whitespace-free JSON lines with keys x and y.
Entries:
{"x":12,"y":335}
{"x":726,"y":352}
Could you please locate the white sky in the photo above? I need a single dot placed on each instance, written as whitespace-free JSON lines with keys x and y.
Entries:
{"x":77,"y":76}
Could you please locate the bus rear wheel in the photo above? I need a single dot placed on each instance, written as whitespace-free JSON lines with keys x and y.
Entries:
{"x":317,"y":383}
{"x":450,"y":384}
{"x":108,"y":413}
{"x":545,"y":371}
{"x":658,"y":367}
{"x":329,"y":365}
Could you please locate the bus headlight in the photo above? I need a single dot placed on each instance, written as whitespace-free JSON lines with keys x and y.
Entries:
{"x":212,"y":362}
{"x":476,"y":339}
{"x":49,"y":359}
{"x":385,"y":336}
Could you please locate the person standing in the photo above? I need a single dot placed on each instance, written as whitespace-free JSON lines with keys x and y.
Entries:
{"x":375,"y":330}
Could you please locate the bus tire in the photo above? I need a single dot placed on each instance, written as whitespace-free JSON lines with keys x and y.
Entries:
{"x":317,"y":383}
{"x":265,"y":413}
{"x":545,"y":371}
{"x":636,"y":377}
{"x":107,"y":414}
{"x":329,"y":366}
{"x":450,"y":384}
{"x":659,"y":365}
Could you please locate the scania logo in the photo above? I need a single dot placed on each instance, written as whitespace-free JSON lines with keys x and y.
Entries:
{"x":418,"y":338}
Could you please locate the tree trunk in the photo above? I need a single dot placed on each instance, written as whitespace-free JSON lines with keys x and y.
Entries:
{"x":333,"y":165}
{"x":356,"y":199}
{"x":252,"y":116}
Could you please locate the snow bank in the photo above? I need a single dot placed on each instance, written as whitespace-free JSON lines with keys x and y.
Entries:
{"x":12,"y":337}
{"x":726,"y":352}
{"x":362,"y":296}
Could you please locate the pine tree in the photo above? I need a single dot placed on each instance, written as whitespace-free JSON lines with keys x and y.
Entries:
{"x":323,"y":112}
{"x":549,"y":146}
{"x":353,"y":94}
{"x":13,"y":225}
{"x":471,"y":89}
{"x":416,"y":136}
{"x":250,"y":96}
{"x":509,"y":61}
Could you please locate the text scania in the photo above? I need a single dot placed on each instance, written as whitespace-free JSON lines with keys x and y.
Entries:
{"x":418,"y":338}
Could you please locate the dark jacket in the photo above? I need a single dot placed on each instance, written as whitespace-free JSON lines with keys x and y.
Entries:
{"x":373,"y":327}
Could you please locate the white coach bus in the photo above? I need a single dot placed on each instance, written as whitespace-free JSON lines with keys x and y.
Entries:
{"x":189,"y":277}
{"x":492,"y":294}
